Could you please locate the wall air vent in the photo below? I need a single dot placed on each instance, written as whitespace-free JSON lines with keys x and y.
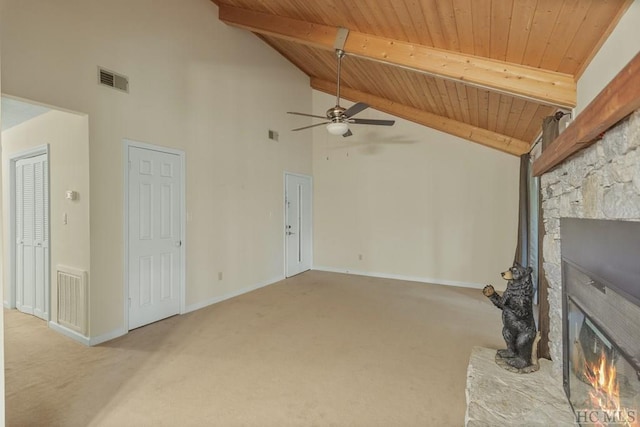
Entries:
{"x":114,"y":80}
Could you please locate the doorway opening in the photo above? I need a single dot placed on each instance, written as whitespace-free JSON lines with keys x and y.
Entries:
{"x":45,"y":155}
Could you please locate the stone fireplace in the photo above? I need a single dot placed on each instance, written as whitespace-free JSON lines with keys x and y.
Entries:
{"x":600,"y":182}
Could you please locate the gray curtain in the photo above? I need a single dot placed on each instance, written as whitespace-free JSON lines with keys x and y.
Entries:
{"x":522,"y":247}
{"x":550,"y":130}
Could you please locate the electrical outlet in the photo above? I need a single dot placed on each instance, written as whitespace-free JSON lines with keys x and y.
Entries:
{"x":360,"y":257}
{"x":220,"y":275}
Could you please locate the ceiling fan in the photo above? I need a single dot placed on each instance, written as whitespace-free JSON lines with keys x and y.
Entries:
{"x":340,"y":118}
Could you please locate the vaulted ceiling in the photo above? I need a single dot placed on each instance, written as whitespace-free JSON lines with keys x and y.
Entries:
{"x":488,"y":71}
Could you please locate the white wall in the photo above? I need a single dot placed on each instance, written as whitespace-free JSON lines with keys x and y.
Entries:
{"x":620,"y":48}
{"x":415,"y":202}
{"x":67,"y":136}
{"x":196,"y":85}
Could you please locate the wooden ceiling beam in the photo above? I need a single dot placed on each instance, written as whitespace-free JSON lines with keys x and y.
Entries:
{"x":547,"y":87}
{"x":472,"y":133}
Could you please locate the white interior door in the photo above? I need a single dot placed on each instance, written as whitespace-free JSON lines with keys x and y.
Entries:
{"x":298,"y":225}
{"x":155,"y":245}
{"x":32,"y":235}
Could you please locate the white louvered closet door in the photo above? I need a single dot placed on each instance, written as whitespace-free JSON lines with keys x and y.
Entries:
{"x":32,"y":235}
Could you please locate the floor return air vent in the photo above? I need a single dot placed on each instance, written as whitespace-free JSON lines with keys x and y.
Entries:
{"x":72,"y":299}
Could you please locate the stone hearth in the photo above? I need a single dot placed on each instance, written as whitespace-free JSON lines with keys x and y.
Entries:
{"x":500,"y":398}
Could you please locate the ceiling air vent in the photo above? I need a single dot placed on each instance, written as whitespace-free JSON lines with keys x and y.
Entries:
{"x":114,"y":80}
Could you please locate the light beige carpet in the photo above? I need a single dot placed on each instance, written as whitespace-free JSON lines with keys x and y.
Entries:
{"x":318,"y":349}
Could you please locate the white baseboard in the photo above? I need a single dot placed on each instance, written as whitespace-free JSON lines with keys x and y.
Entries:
{"x":69,"y":333}
{"x":83,"y":339}
{"x":107,"y":337}
{"x":401,"y":277}
{"x":206,"y":303}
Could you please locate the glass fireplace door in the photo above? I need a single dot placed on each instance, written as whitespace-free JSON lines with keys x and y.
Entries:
{"x":602,"y":386}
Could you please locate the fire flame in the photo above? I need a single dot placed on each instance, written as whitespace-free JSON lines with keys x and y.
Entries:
{"x":605,"y":393}
{"x":604,"y":379}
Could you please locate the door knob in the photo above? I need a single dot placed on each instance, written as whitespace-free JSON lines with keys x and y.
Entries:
{"x":289,"y":233}
{"x":179,"y":243}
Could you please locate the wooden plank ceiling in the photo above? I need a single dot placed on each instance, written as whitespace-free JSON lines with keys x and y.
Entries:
{"x":486,"y":70}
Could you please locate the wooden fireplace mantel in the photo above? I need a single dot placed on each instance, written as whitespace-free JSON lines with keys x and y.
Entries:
{"x":617,"y":100}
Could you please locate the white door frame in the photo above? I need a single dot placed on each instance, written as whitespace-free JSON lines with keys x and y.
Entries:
{"x":126,"y":144}
{"x":10,"y":165}
{"x":284,"y":218}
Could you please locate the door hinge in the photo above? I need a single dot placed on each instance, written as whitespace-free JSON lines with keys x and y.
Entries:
{"x":129,"y":302}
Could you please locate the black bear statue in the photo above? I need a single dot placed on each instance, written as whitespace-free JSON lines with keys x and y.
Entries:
{"x":519,"y":327}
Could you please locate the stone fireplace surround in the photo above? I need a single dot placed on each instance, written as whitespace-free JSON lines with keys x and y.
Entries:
{"x":599,"y":182}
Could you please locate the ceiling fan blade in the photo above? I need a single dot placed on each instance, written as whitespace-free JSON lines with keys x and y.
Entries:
{"x":311,"y":126}
{"x":372,"y":122}
{"x":355,"y":109}
{"x":347,"y":133}
{"x":306,"y":115}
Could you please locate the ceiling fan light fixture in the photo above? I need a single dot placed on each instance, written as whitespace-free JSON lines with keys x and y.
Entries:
{"x":338,"y":128}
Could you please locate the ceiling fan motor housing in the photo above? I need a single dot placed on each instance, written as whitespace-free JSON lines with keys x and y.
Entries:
{"x":336,"y":113}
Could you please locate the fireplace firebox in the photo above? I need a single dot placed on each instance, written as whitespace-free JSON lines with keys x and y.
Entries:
{"x":601,"y":312}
